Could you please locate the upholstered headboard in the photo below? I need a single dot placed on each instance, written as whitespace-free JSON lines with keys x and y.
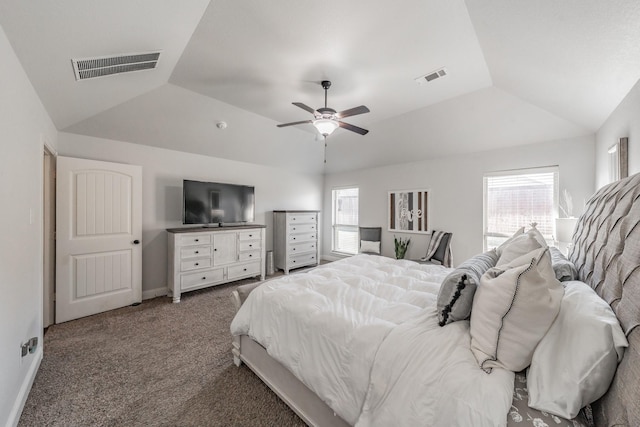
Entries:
{"x":606,"y":252}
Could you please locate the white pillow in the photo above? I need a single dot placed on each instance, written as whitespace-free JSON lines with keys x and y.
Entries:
{"x":521,"y":245}
{"x":519,"y":232}
{"x":575,"y":362}
{"x":370,"y":247}
{"x":513,"y":308}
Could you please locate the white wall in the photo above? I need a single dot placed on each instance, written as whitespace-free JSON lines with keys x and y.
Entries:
{"x":162,"y":174}
{"x":456,"y":184}
{"x":623,"y":122}
{"x":24,"y":124}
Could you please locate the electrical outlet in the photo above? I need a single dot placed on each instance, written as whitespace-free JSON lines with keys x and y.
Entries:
{"x":24,"y":349}
{"x":33,"y":345}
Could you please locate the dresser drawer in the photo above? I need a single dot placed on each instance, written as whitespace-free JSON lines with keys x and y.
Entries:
{"x":302,"y":237}
{"x":302,"y":228}
{"x":194,"y":239}
{"x":301,"y":260}
{"x":248,"y":255}
{"x":249,"y":235}
{"x":249,"y":245}
{"x":300,"y":218}
{"x":252,"y":268}
{"x":201,"y":278}
{"x":195,"y":263}
{"x":195,"y":252}
{"x":300,"y":248}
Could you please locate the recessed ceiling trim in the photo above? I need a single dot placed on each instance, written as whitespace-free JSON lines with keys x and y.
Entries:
{"x":99,"y":66}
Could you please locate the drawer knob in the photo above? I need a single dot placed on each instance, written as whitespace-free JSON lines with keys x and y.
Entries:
{"x":244,"y":269}
{"x":215,"y":249}
{"x":250,"y":255}
{"x":197,"y":263}
{"x":197,"y":240}
{"x":250,"y":246}
{"x":294,"y":238}
{"x":294,"y":249}
{"x":294,"y":228}
{"x":250,"y":235}
{"x":197,"y":252}
{"x":204,"y":278}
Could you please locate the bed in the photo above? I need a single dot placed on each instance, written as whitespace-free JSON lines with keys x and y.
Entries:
{"x":360,"y":342}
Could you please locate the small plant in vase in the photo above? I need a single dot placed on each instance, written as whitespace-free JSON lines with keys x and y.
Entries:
{"x":401,"y":246}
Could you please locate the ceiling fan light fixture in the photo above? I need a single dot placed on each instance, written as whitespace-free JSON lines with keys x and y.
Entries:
{"x":325,"y":126}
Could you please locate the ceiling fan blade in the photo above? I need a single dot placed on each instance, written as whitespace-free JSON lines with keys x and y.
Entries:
{"x":353,"y":128}
{"x":352,"y":112}
{"x":304,"y":107}
{"x":294,"y":123}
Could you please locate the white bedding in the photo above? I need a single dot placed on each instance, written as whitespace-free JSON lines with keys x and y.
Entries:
{"x":362,"y":333}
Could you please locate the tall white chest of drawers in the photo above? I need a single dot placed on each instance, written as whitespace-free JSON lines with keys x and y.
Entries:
{"x":295,"y":239}
{"x":203,"y":257}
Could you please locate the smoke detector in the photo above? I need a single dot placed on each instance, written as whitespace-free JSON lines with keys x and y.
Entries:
{"x":88,"y":68}
{"x":429,"y":77}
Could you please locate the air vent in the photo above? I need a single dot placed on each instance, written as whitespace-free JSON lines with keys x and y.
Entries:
{"x":432,"y":76}
{"x":89,"y":68}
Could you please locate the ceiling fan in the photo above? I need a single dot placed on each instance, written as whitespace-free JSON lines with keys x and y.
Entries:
{"x":326,"y":119}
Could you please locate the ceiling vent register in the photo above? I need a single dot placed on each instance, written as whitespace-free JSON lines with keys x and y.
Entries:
{"x":432,"y":76}
{"x":89,"y":68}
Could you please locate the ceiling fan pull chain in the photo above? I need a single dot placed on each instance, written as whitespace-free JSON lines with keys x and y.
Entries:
{"x":325,"y":149}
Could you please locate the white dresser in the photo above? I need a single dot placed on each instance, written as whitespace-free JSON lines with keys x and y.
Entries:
{"x":203,"y":257}
{"x":295,"y":239}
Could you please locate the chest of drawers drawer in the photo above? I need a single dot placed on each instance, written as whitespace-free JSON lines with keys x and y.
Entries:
{"x":195,"y":263}
{"x":302,"y":237}
{"x":302,"y":228}
{"x":201,"y":278}
{"x":301,"y":218}
{"x":194,"y":239}
{"x":195,"y":252}
{"x":300,"y":248}
{"x":248,"y":269}
{"x":249,"y":245}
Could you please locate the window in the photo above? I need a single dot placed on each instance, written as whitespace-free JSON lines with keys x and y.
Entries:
{"x":345,"y":220}
{"x":517,"y":198}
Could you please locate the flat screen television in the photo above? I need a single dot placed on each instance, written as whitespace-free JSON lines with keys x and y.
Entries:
{"x":211,"y":203}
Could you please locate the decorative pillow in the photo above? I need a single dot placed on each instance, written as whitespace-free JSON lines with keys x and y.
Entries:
{"x":455,"y":296}
{"x":507,"y":242}
{"x":521,"y":245}
{"x":513,"y":308}
{"x":369,"y":247}
{"x":574,"y":363}
{"x":562,"y":267}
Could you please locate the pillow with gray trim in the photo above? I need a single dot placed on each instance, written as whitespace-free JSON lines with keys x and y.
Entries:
{"x":455,"y":296}
{"x":513,"y":309}
{"x":562,"y":267}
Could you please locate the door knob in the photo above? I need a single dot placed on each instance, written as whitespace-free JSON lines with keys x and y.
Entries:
{"x":136,"y":242}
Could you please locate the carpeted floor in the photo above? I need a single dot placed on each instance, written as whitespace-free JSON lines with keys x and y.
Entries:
{"x":156,"y":364}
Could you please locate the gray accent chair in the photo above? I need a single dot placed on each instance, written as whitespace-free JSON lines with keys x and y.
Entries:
{"x":370,"y":234}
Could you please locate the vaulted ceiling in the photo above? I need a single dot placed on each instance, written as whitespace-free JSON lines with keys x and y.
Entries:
{"x":517,"y":72}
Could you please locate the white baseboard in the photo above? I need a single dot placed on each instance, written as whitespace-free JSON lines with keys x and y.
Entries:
{"x":153,"y":293}
{"x":25,"y":388}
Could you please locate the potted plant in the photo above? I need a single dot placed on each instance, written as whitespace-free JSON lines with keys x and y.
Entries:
{"x":401,"y":246}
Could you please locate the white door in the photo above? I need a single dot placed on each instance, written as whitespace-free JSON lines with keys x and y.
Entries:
{"x":98,"y":237}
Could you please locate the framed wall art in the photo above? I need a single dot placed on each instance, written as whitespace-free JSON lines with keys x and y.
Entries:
{"x":409,"y":211}
{"x":618,"y":161}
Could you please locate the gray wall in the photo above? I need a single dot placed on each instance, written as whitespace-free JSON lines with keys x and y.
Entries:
{"x":623,"y":122}
{"x":456,"y":184}
{"x":24,"y":125}
{"x":162,"y":174}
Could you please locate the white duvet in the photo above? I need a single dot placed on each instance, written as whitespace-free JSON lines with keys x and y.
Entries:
{"x":362,"y":333}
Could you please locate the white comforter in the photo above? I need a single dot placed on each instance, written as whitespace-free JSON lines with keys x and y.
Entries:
{"x":362,"y":333}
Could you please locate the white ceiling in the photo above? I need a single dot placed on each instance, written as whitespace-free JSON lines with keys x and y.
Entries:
{"x":519,"y":72}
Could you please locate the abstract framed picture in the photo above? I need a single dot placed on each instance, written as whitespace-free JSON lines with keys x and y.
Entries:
{"x":409,"y":211}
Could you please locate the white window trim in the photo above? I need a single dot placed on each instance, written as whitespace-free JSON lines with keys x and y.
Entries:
{"x":347,"y":227}
{"x":543,"y":169}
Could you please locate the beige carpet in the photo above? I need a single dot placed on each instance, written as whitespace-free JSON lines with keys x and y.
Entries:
{"x":156,"y":364}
